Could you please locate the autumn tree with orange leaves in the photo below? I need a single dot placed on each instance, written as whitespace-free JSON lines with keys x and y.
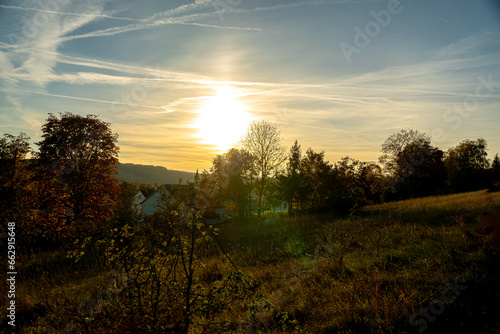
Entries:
{"x":77,"y":159}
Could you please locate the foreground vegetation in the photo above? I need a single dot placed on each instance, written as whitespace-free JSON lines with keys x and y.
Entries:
{"x":425,"y":264}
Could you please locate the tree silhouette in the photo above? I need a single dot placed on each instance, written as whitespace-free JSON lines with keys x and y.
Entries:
{"x":396,"y":143}
{"x":372,"y":182}
{"x":496,"y":164}
{"x":420,"y":170}
{"x":263,"y":142}
{"x":233,"y":172}
{"x":348,"y":185}
{"x":14,"y":177}
{"x":495,"y":173}
{"x":317,"y":176}
{"x":466,"y":164}
{"x":291,"y":183}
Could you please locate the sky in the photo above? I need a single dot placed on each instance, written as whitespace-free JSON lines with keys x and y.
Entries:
{"x":180,"y":80}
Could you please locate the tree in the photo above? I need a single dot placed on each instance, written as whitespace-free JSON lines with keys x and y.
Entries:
{"x":291,"y":182}
{"x":317,"y":175}
{"x":420,"y":170}
{"x":496,"y":164}
{"x":78,"y":158}
{"x":232,"y":172}
{"x":466,"y":164}
{"x":372,"y":182}
{"x":146,"y":189}
{"x":495,"y":174}
{"x":14,"y":148}
{"x":126,"y":210}
{"x":396,"y":143}
{"x":349,"y":187}
{"x":263,"y":142}
{"x":15,"y":177}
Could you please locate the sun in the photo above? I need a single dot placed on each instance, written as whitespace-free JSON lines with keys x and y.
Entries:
{"x":222,"y":119}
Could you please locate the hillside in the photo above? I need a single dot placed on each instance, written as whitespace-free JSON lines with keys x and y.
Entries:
{"x":379,"y":270}
{"x":424,"y":265}
{"x":151,"y":174}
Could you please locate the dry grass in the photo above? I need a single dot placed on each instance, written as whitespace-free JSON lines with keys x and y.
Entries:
{"x":395,"y":259}
{"x":432,"y":209}
{"x":368,"y":273}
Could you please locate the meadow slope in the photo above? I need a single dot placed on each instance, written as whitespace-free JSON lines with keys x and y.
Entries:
{"x":429,"y":264}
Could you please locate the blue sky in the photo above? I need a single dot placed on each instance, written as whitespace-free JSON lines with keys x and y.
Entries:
{"x":180,"y":80}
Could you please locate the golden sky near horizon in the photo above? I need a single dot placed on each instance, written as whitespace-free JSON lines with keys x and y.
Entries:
{"x":180,"y":81}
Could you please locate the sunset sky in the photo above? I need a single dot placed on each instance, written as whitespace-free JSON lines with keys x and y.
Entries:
{"x":180,"y":80}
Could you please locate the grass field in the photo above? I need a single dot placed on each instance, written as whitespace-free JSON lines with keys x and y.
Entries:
{"x":425,"y":265}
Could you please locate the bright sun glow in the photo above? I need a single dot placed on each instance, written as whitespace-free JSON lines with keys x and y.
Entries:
{"x":222,"y":119}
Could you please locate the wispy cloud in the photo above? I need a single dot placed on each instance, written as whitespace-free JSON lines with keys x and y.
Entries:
{"x":467,"y":46}
{"x":169,"y":17}
{"x":87,"y":99}
{"x":85,"y":58}
{"x":39,"y":47}
{"x":40,"y":10}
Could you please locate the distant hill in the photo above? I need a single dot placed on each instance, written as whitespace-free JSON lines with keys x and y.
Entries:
{"x":151,"y":174}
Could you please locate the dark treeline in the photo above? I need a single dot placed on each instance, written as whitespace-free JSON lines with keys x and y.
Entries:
{"x":67,"y":188}
{"x":409,"y":167}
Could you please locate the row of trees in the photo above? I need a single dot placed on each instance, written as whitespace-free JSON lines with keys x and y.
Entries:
{"x":67,"y":188}
{"x":415,"y":168}
{"x":260,"y":175}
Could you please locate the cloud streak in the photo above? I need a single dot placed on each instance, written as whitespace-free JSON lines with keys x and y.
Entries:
{"x":83,"y":59}
{"x":39,"y":10}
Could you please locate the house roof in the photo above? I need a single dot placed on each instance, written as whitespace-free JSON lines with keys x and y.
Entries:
{"x":139,"y":198}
